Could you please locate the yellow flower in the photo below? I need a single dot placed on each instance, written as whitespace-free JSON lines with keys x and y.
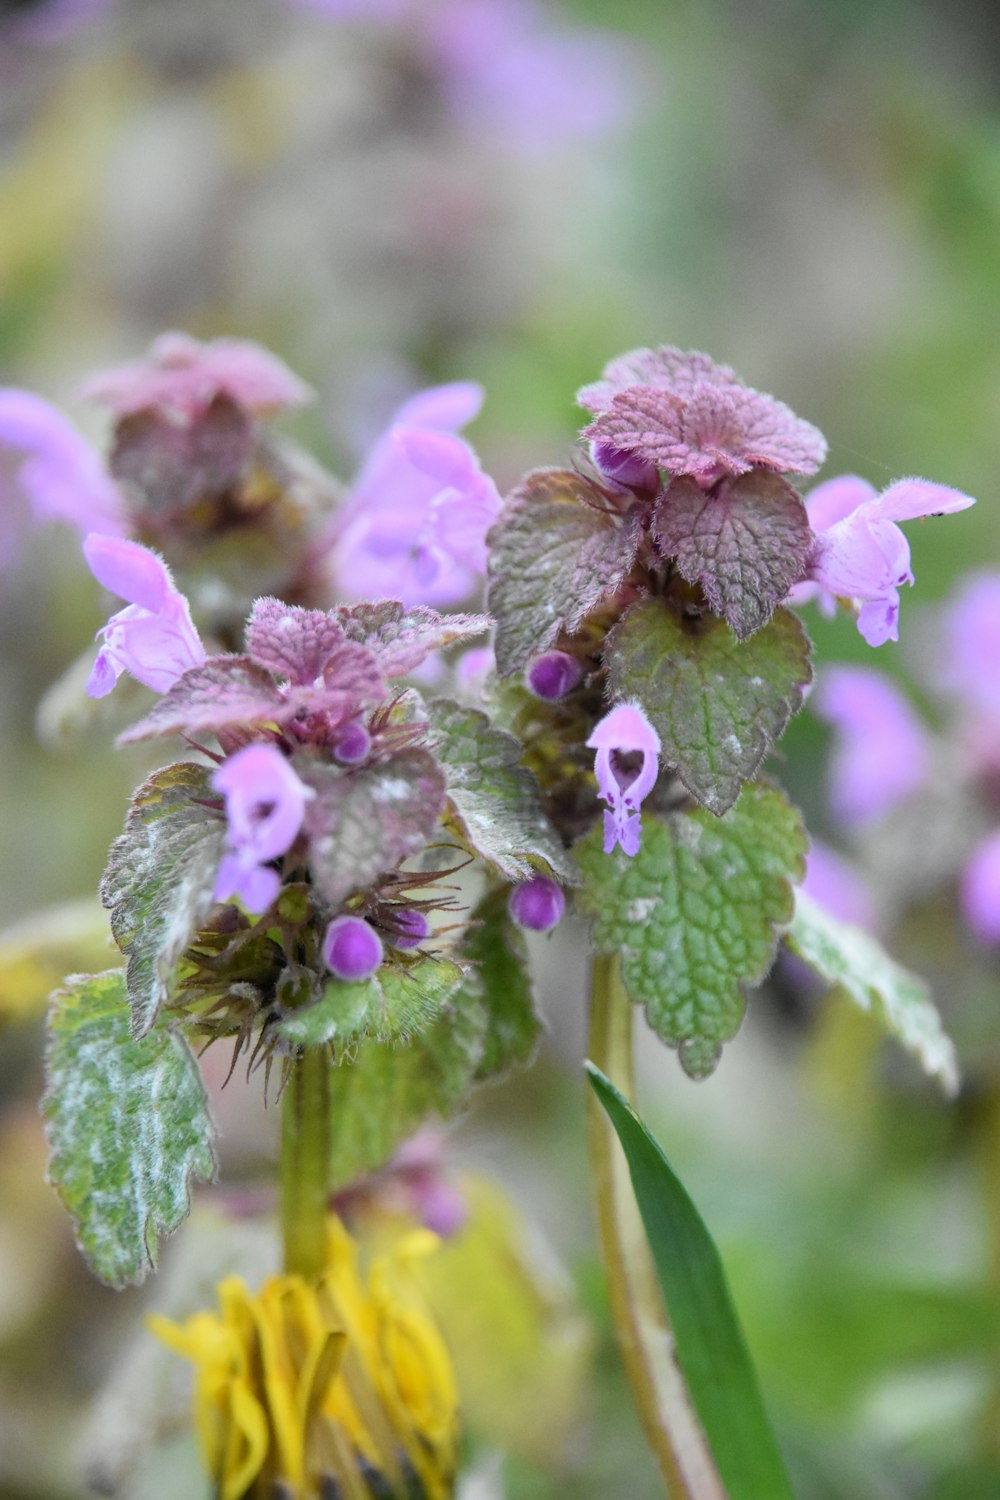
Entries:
{"x":336,"y":1387}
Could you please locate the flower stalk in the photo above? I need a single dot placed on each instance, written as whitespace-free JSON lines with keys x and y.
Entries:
{"x":642,"y":1327}
{"x":305,"y":1164}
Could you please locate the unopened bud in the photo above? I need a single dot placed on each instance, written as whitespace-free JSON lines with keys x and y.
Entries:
{"x":553,"y":674}
{"x":538,"y":904}
{"x":351,"y":949}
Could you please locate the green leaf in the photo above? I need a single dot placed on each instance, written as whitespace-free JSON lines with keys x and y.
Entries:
{"x":396,"y":1003}
{"x":496,"y":800}
{"x":559,"y":547}
{"x":852,"y":959}
{"x":127,"y":1123}
{"x":711,"y":1349}
{"x":718,"y":704}
{"x":386,"y":1092}
{"x":159,"y":880}
{"x":746,"y":542}
{"x":363,"y":821}
{"x":495,"y":946}
{"x":695,"y":914}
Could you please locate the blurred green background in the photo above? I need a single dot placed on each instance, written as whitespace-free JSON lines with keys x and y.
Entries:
{"x":807,"y":189}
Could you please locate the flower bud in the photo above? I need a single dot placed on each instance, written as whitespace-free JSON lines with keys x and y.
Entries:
{"x":351,"y":949}
{"x":352,"y":744}
{"x":538,"y":904}
{"x":409,"y":927}
{"x":553,"y":674}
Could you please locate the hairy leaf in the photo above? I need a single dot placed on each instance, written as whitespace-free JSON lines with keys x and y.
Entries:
{"x":400,"y":639}
{"x":557,"y":550}
{"x":746,"y":542}
{"x":223,"y":691}
{"x":496,"y":800}
{"x":718,"y":704}
{"x":166,"y":466}
{"x":363,"y":821}
{"x":852,"y":959}
{"x":695,"y":914}
{"x":127,"y":1123}
{"x":159,"y":880}
{"x":496,"y":948}
{"x":395,"y":1004}
{"x":305,"y":644}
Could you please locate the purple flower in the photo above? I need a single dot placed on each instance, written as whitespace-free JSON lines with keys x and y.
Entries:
{"x":553,"y":674}
{"x":410,"y":927}
{"x":414,"y":526}
{"x":537,"y":904}
{"x":626,"y":767}
{"x":679,"y":411}
{"x":154,"y":639}
{"x":181,"y":377}
{"x":48,"y":472}
{"x":971,"y":639}
{"x":351,"y":949}
{"x":861,"y":553}
{"x":265,"y":803}
{"x":837,"y":886}
{"x":881,"y":754}
{"x":980,"y":890}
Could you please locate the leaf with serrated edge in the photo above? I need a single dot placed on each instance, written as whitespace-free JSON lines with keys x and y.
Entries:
{"x":496,"y":799}
{"x":557,"y":550}
{"x":853,"y":960}
{"x":222,"y":691}
{"x":363,"y":821}
{"x":159,"y":880}
{"x":746,"y":542}
{"x":400,"y":639}
{"x":127,"y":1123}
{"x":718,"y":704}
{"x":695,"y":914}
{"x":396,"y":1003}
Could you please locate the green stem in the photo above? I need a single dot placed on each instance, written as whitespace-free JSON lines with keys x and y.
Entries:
{"x":640,"y":1318}
{"x":305,"y":1163}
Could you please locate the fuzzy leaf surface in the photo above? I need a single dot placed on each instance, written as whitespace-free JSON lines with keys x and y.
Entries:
{"x":165,"y":466}
{"x":695,"y":914}
{"x":223,"y":691}
{"x":718,"y":704}
{"x":496,"y":800}
{"x":557,"y":550}
{"x":127,"y":1123}
{"x":302,"y":645}
{"x":854,"y":961}
{"x":746,"y":542}
{"x":363,"y":821}
{"x":400,"y":639}
{"x":396,"y":1003}
{"x":496,"y":948}
{"x":159,"y":880}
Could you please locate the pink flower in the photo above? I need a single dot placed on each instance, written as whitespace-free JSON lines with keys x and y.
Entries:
{"x":881,"y":755}
{"x":265,"y":804}
{"x":681,"y":412}
{"x":154,"y":639}
{"x":838,"y":887}
{"x":861,"y":553}
{"x":48,"y":472}
{"x":623,"y":737}
{"x":971,"y":640}
{"x":414,"y":526}
{"x":181,"y":377}
{"x":980,"y":890}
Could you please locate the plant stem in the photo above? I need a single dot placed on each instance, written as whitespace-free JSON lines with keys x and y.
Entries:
{"x":640,"y":1318}
{"x":305,"y":1158}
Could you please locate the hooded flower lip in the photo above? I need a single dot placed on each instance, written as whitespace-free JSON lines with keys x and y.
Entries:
{"x":881,"y":755}
{"x":681,"y":412}
{"x":414,"y":526}
{"x":48,"y":472}
{"x":154,"y":638}
{"x":624,"y":732}
{"x":861,"y":553}
{"x":181,"y":377}
{"x":341,"y":1386}
{"x":265,"y":805}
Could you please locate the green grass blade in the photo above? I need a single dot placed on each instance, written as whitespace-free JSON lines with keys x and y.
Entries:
{"x":711,"y":1350}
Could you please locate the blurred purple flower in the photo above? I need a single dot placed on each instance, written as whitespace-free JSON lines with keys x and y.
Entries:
{"x":553,"y":674}
{"x":538,"y":904}
{"x":48,"y":472}
{"x":680,"y":411}
{"x":861,"y":553}
{"x":265,"y":803}
{"x":154,"y":638}
{"x":881,"y":754}
{"x":837,"y":886}
{"x":980,"y":890}
{"x":414,"y":526}
{"x":626,"y":766}
{"x":181,"y":377}
{"x":971,"y":631}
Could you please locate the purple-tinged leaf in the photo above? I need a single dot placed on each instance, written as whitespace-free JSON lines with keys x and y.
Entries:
{"x":363,"y":821}
{"x":293,"y":643}
{"x":718,"y":704}
{"x":223,"y":691}
{"x":400,"y":639}
{"x":166,"y":467}
{"x":746,"y":541}
{"x":666,"y":368}
{"x":559,"y":548}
